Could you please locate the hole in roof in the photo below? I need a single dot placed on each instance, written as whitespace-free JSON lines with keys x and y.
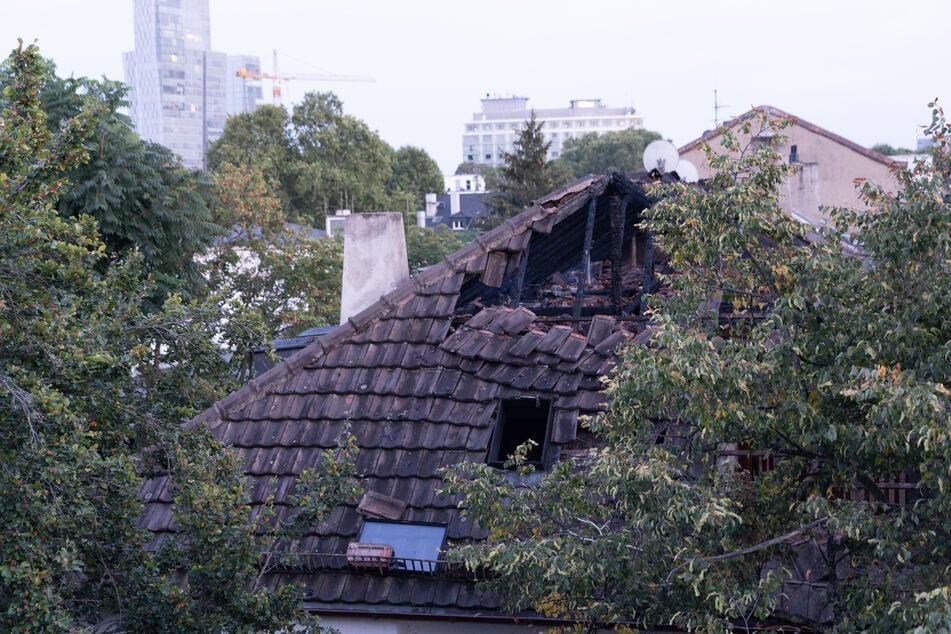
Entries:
{"x":517,"y":422}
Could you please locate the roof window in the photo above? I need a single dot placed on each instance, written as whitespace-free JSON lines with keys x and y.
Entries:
{"x":415,"y":546}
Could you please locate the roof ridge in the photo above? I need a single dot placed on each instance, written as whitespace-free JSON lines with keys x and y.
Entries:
{"x":815,"y":129}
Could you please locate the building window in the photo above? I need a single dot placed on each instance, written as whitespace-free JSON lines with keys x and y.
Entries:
{"x":412,"y":543}
{"x":518,"y":421}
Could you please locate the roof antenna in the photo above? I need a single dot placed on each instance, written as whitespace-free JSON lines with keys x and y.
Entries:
{"x":716,"y":110}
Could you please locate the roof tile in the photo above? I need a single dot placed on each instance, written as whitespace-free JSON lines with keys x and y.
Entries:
{"x":554,"y":339}
{"x":572,"y":348}
{"x":514,"y":322}
{"x":495,"y":269}
{"x":564,"y":426}
{"x":527,"y":343}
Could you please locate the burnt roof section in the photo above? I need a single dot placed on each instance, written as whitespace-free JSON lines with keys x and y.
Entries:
{"x":418,"y":376}
{"x":776,"y":112}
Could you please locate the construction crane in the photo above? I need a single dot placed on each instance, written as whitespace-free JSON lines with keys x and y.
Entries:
{"x":276,"y":78}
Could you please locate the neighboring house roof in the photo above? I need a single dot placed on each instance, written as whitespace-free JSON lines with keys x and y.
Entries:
{"x":471,"y":206}
{"x":776,"y":112}
{"x":418,"y":375}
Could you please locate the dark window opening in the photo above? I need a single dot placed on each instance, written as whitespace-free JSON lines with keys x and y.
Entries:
{"x":517,"y":422}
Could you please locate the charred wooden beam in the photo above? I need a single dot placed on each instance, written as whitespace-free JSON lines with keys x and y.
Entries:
{"x":520,"y":278}
{"x":648,"y":283}
{"x":618,"y":205}
{"x":586,"y":258}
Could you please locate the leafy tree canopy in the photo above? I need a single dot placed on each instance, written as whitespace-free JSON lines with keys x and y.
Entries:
{"x":318,"y":159}
{"x":267,"y":266}
{"x":426,"y":246}
{"x":833,"y":364}
{"x":620,"y":151}
{"x":414,"y":174}
{"x":889,"y":150}
{"x":139,"y":193}
{"x":92,"y":394}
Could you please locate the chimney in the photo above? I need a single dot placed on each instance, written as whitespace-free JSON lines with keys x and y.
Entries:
{"x":374,"y":259}
{"x":421,"y":219}
{"x":430,"y":205}
{"x":454,"y":205}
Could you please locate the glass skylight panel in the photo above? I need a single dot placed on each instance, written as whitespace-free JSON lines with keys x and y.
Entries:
{"x":409,"y":541}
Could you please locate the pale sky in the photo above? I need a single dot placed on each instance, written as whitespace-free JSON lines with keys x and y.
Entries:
{"x":863,"y":69}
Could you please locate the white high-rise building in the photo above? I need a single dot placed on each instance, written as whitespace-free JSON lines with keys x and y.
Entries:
{"x":179,"y":86}
{"x":492,"y":132}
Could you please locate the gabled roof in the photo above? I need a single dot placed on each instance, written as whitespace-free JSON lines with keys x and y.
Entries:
{"x":777,"y":113}
{"x":417,"y":376}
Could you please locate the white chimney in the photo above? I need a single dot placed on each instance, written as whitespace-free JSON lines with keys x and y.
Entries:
{"x":430,"y":205}
{"x":454,"y":205}
{"x":374,"y":259}
{"x":421,"y":219}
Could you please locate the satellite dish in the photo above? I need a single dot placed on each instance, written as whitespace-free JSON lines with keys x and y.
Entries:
{"x":661,"y":155}
{"x":687,"y":171}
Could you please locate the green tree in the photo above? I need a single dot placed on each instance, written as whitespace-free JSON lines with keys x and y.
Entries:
{"x":620,"y":151}
{"x":93,"y":392}
{"x":227,"y":556}
{"x":268,"y":266}
{"x":889,"y":150}
{"x":414,"y":174}
{"x":426,"y":246}
{"x":832,"y":361}
{"x":317,"y":159}
{"x":527,"y":174}
{"x":346,"y":163}
{"x":140,"y":194}
{"x":260,"y":142}
{"x":468,"y":167}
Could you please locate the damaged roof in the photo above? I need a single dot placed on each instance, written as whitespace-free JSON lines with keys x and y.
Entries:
{"x":418,"y":378}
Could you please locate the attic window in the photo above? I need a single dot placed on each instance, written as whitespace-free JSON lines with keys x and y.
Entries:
{"x":410,"y":541}
{"x":518,"y":421}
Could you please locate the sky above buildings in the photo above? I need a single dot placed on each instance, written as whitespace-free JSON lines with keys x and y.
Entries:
{"x":864,"y":69}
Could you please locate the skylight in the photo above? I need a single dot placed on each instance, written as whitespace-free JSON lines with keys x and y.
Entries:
{"x":409,"y":540}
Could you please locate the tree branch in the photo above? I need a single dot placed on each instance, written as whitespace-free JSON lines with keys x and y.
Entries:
{"x":754,"y":548}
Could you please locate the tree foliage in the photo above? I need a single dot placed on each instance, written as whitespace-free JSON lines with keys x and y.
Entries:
{"x":318,"y":159}
{"x":267,"y":266}
{"x":833,"y":361}
{"x":414,"y":174}
{"x":93,"y":391}
{"x":426,"y":246}
{"x":890,"y":150}
{"x":140,"y":194}
{"x":527,"y":174}
{"x":619,"y":151}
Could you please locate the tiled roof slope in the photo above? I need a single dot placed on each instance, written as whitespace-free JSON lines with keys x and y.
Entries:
{"x":418,"y":376}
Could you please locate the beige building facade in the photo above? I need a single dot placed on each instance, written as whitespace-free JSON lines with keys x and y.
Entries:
{"x":830,"y":166}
